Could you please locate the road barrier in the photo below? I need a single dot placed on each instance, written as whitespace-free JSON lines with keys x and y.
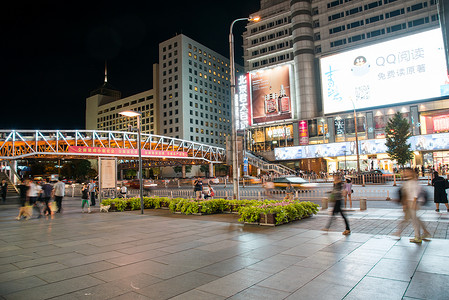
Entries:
{"x":308,"y":194}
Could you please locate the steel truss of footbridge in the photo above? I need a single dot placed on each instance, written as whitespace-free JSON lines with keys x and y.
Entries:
{"x":72,"y":144}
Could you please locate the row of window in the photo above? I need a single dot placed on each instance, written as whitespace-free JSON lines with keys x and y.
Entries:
{"x":272,"y":48}
{"x":382,"y":31}
{"x":199,"y":51}
{"x":132,"y":102}
{"x":270,"y":25}
{"x":371,"y":5}
{"x":273,"y":59}
{"x":271,"y":36}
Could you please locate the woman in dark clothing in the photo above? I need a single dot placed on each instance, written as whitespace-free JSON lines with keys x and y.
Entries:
{"x":337,"y":197}
{"x":4,"y":189}
{"x":439,"y":191}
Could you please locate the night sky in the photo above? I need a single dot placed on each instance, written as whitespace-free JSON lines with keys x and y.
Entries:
{"x":53,"y":52}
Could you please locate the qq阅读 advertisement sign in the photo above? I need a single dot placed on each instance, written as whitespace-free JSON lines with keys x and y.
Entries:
{"x":405,"y":69}
{"x":271,"y":95}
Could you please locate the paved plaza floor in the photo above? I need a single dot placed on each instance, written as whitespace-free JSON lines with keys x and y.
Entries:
{"x":160,"y":255}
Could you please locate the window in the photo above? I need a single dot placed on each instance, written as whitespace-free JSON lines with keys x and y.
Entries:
{"x":396,"y":27}
{"x":375,"y":33}
{"x":336,"y":29}
{"x":356,"y":38}
{"x":354,"y":11}
{"x":374,"y":19}
{"x":418,"y":22}
{"x":334,"y":3}
{"x":336,"y":16}
{"x":394,"y":13}
{"x":355,"y":24}
{"x":373,"y":5}
{"x":389,"y":1}
{"x":417,"y":7}
{"x":338,"y":43}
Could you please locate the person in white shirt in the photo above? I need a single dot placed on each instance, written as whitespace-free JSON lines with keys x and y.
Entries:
{"x":412,"y":197}
{"x":59,"y":192}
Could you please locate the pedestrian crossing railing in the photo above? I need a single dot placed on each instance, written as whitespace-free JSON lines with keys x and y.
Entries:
{"x":309,"y":194}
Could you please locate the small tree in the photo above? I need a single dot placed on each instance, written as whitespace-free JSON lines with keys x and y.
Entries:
{"x":397,"y":132}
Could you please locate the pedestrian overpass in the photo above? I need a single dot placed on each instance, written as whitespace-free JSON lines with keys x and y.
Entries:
{"x":71,"y":144}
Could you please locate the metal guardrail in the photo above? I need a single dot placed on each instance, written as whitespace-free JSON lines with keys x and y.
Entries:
{"x":311,"y":194}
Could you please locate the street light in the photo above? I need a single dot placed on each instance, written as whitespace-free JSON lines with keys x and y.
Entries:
{"x":356,"y":138}
{"x":130,"y":113}
{"x":235,"y":165}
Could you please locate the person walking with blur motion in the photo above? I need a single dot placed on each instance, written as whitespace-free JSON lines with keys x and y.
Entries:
{"x":46,"y":196}
{"x":4,"y":189}
{"x":25,"y":208}
{"x":439,"y":191}
{"x":412,"y":192}
{"x":336,"y":196}
{"x":59,"y":192}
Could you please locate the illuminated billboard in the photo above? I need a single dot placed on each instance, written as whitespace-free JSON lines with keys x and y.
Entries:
{"x":401,"y":70}
{"x":270,"y":95}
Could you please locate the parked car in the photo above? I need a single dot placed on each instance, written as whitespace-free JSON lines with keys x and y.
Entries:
{"x":297,"y":183}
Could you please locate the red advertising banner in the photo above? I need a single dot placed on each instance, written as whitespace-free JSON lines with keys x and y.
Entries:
{"x":303,"y":133}
{"x":126,"y":152}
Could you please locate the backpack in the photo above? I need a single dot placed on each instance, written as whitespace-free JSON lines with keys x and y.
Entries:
{"x":212,"y":192}
{"x":423,"y":197}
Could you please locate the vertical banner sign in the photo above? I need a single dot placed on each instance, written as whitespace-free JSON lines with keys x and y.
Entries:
{"x":303,"y":133}
{"x":108,"y":173}
{"x":241,"y":103}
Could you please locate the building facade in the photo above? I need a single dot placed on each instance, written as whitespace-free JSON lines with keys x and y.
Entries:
{"x":309,"y":38}
{"x":194,"y":92}
{"x":105,"y":104}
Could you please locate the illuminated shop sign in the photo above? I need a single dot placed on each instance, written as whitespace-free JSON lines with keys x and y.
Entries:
{"x":279,"y":132}
{"x":441,"y":123}
{"x":303,"y":132}
{"x":429,"y":142}
{"x":271,"y":95}
{"x":401,"y":70}
{"x":242,"y":103}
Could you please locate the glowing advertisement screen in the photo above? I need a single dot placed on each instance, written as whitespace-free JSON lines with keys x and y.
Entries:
{"x":270,"y":95}
{"x":405,"y":69}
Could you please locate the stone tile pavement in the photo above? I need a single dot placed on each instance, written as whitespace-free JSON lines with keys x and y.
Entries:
{"x":160,"y":255}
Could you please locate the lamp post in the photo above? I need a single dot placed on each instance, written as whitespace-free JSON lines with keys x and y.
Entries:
{"x":235,"y":164}
{"x":356,"y":137}
{"x":130,"y":113}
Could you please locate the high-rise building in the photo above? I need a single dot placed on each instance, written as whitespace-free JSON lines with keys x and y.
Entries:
{"x":324,"y":60}
{"x":194,"y":92}
{"x":105,"y":103}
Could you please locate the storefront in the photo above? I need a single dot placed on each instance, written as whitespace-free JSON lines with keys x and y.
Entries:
{"x":268,"y":138}
{"x":429,"y":150}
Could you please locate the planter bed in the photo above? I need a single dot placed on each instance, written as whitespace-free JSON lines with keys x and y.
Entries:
{"x":266,"y":212}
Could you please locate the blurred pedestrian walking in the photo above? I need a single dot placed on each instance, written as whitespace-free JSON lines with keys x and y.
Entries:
{"x":415,"y":196}
{"x":289,"y":192}
{"x":25,"y":209}
{"x":46,"y":196}
{"x":336,"y":196}
{"x":439,"y":191}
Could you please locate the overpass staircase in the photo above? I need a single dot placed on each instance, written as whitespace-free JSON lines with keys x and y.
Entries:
{"x":267,"y":166}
